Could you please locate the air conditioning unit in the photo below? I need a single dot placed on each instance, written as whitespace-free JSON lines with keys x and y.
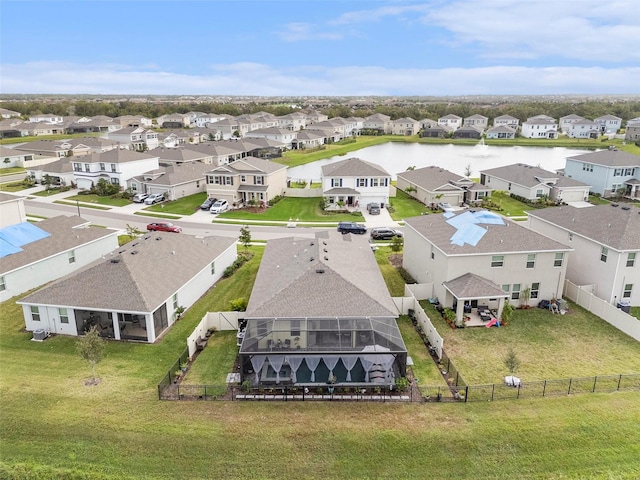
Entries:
{"x":39,"y":335}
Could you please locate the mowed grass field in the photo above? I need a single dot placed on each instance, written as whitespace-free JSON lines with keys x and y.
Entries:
{"x":52,"y":426}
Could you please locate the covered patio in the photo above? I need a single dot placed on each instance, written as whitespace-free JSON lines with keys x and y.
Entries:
{"x":476,"y":298}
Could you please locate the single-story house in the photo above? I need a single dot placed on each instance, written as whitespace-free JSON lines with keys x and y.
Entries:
{"x":135,"y":292}
{"x":502,"y":132}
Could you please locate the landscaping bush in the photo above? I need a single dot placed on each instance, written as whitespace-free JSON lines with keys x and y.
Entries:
{"x":237,"y":263}
{"x":406,"y":276}
{"x":275,"y":200}
{"x":239,"y":305}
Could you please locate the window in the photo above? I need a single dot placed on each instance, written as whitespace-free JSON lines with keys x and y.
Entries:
{"x":375,"y":182}
{"x":336,"y":182}
{"x":87,"y":167}
{"x":557,"y":262}
{"x":617,"y":172}
{"x":627,"y":290}
{"x":603,"y":254}
{"x":115,"y":181}
{"x":615,"y":187}
{"x":64,"y":316}
{"x":35,"y":314}
{"x":102,"y":167}
{"x":497,"y":260}
{"x":72,"y":256}
{"x":361,"y":182}
{"x":629,"y":171}
{"x":3,"y":286}
{"x":113,"y":167}
{"x":631,"y":259}
{"x":295,"y":328}
{"x":535,"y":290}
{"x":506,"y":288}
{"x":531,"y":260}
{"x":515,"y":291}
{"x":175,"y":301}
{"x":509,"y":186}
{"x":538,"y":193}
{"x":243,"y":178}
{"x":213,"y":268}
{"x":77,"y":167}
{"x":587,"y":167}
{"x":258,"y":180}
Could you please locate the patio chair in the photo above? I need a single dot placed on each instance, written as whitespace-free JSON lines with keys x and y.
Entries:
{"x":287,"y":343}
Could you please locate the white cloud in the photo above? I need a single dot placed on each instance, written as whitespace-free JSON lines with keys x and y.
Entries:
{"x":295,"y":32}
{"x":264,"y":80}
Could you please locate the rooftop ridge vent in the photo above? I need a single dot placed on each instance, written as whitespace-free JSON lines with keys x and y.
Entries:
{"x":319,"y":270}
{"x":626,"y":207}
{"x":135,"y":252}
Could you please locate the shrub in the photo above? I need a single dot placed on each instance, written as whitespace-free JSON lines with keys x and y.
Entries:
{"x":237,"y":263}
{"x":406,"y":276}
{"x":275,"y":200}
{"x":239,"y":305}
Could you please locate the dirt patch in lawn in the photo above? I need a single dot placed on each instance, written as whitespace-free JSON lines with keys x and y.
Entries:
{"x":396,"y":260}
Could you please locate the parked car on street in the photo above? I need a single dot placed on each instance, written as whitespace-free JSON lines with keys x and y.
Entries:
{"x":373,"y":208}
{"x":351,"y":227}
{"x":140,"y":197}
{"x":163,"y":227}
{"x":206,"y":205}
{"x":384,"y":233}
{"x":154,"y":198}
{"x":219,"y":206}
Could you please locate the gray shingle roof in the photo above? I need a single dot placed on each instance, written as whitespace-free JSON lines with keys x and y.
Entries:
{"x":289,"y":283}
{"x":64,"y":236}
{"x":609,"y":158}
{"x":508,"y":238}
{"x":521,"y":174}
{"x":432,"y":177}
{"x":471,"y":285}
{"x":138,"y":282}
{"x":353,"y":167}
{"x":614,"y":227}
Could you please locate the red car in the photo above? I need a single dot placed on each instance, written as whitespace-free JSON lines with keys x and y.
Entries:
{"x":163,"y":227}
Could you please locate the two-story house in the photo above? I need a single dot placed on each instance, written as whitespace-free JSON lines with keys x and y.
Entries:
{"x":354,"y":183}
{"x":606,"y":247}
{"x":245,"y":180}
{"x":281,"y":135}
{"x":378,"y":122}
{"x":451,"y":120}
{"x":293,"y":121}
{"x":477,"y":120}
{"x":406,"y":126}
{"x":116,"y":166}
{"x":478,"y":258}
{"x":533,"y":183}
{"x":609,"y":123}
{"x":609,"y":172}
{"x":583,"y":129}
{"x":506,"y":121}
{"x":568,"y":120}
{"x":135,"y":138}
{"x":540,"y":127}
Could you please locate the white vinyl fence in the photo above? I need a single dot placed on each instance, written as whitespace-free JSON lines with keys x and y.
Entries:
{"x":217,"y":320}
{"x":423,"y":291}
{"x":603,"y":309}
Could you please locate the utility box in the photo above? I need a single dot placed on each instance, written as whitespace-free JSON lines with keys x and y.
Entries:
{"x":624,"y":306}
{"x":39,"y":335}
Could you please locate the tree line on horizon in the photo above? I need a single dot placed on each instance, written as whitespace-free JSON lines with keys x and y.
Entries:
{"x":413,"y":109}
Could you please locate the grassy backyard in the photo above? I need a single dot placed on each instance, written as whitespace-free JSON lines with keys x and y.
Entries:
{"x":52,"y":426}
{"x":405,"y":206}
{"x":182,"y":206}
{"x":298,"y":209}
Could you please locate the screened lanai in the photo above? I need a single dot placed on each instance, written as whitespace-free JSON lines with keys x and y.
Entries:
{"x":310,"y":350}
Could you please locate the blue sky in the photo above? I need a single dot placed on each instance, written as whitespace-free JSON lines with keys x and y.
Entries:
{"x":313,"y":47}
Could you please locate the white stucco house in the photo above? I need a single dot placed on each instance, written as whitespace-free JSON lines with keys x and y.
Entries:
{"x":501,"y":132}
{"x":507,"y":121}
{"x":116,"y":166}
{"x":568,"y":120}
{"x":406,"y":126}
{"x":583,"y":129}
{"x":451,"y":120}
{"x":135,"y":291}
{"x":606,"y":247}
{"x":609,"y":123}
{"x":277,"y":134}
{"x":479,"y":258}
{"x":354,"y":183}
{"x":378,"y":122}
{"x":538,"y":127}
{"x":34,"y":254}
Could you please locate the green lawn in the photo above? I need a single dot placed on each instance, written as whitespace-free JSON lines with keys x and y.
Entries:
{"x":62,"y":136}
{"x":392,"y":278}
{"x":424,"y":368}
{"x":11,"y":171}
{"x":13,"y":186}
{"x":510,"y":207}
{"x":46,"y":193}
{"x":596,"y":200}
{"x":183,"y":206}
{"x":52,"y":426}
{"x":215,"y":361}
{"x":298,"y":209}
{"x":549,"y":346}
{"x":113,"y":201}
{"x":405,"y":206}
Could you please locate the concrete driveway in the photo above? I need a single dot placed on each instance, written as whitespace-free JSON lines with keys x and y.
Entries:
{"x":381,"y":220}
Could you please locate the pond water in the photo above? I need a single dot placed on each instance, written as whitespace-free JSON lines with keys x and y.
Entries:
{"x":397,"y":157}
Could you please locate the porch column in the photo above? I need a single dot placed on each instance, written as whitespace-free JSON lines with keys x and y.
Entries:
{"x":460,"y":312}
{"x":116,"y":325}
{"x":500,"y":307}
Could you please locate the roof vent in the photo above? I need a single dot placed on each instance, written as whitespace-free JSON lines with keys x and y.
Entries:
{"x":614,"y":204}
{"x":135,"y":252}
{"x":626,"y":207}
{"x":311,"y":259}
{"x":115,"y":260}
{"x":326,"y":258}
{"x":158,"y":238}
{"x":312,"y":244}
{"x":135,"y":244}
{"x":325,"y":250}
{"x":324,"y":243}
{"x":320,"y":270}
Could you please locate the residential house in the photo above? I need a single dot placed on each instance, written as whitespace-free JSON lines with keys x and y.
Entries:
{"x":260,"y":147}
{"x":281,"y":135}
{"x":379,"y":123}
{"x":116,"y":166}
{"x":632,"y":131}
{"x":478,"y":121}
{"x":568,"y":120}
{"x":405,"y":126}
{"x":583,"y":129}
{"x":135,"y":138}
{"x":606,"y":247}
{"x":13,"y":157}
{"x":173,"y":156}
{"x":5,"y":113}
{"x":354,"y":126}
{"x":36,"y":129}
{"x":174,"y":120}
{"x":309,"y":138}
{"x":533,"y":183}
{"x":433,"y":185}
{"x":478,"y":258}
{"x":437,"y":131}
{"x":245,"y":180}
{"x":501,"y":132}
{"x":203,"y":120}
{"x":12,"y":210}
{"x":451,"y":120}
{"x":293,"y":121}
{"x":99,"y":123}
{"x":506,"y":121}
{"x":427,"y":123}
{"x":226,"y":128}
{"x":46,"y":118}
{"x":539,"y":127}
{"x":59,"y":171}
{"x":468,"y":132}
{"x":36,"y":253}
{"x":354,"y":183}
{"x":175,"y":181}
{"x":134,"y":121}
{"x":13,"y":128}
{"x":320,"y":308}
{"x":609,"y":172}
{"x":609,"y":123}
{"x":135,"y":292}
{"x":222,"y":152}
{"x":314,"y":116}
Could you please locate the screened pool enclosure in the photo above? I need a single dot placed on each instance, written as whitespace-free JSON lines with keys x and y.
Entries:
{"x":358,"y":350}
